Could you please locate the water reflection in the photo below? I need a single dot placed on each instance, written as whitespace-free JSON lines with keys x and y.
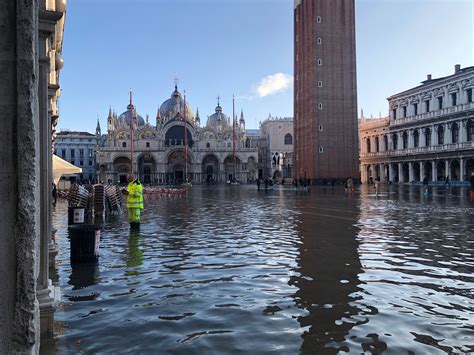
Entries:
{"x":329,"y":269}
{"x":227,"y":269}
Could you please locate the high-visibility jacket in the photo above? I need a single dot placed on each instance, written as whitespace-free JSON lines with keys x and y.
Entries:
{"x":135,"y":195}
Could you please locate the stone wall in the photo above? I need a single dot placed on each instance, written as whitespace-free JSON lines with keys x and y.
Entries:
{"x":19,"y":159}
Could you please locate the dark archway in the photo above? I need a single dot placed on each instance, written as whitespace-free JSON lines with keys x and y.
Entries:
{"x":469,"y":168}
{"x":406,"y":172}
{"x":441,"y":170}
{"x":210,"y":168}
{"x":455,"y":170}
{"x":440,"y":134}
{"x":416,"y":171}
{"x":454,"y":133}
{"x":428,"y":170}
{"x":122,"y":167}
{"x":416,"y":138}
{"x":146,"y":169}
{"x":427,"y":137}
{"x":232,"y":169}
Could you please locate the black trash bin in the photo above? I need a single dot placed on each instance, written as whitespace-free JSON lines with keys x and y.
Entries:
{"x":84,"y":241}
{"x":76,"y":215}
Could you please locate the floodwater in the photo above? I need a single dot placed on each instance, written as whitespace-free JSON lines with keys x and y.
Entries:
{"x":236,"y":270}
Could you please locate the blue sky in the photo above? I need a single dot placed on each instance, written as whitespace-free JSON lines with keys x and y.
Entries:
{"x":242,"y":47}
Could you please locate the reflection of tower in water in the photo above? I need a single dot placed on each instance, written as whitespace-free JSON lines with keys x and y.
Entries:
{"x":329,"y":266}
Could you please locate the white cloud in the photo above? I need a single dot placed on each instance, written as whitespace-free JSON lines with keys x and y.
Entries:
{"x":274,"y":83}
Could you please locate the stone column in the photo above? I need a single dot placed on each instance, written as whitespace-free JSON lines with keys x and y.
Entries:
{"x":411,"y":143}
{"x":382,"y":172}
{"x":422,"y":137}
{"x":410,"y":172}
{"x":461,"y":169}
{"x":447,"y":133}
{"x":390,"y":172}
{"x":19,"y":157}
{"x":400,"y":173}
{"x":434,"y":170}
{"x":462,"y":131}
{"x":422,"y":170}
{"x":447,"y":170}
{"x":363,"y":177}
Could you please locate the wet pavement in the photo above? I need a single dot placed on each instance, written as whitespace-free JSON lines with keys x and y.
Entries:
{"x":233,"y":269}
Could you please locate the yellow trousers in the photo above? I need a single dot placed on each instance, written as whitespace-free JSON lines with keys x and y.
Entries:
{"x":134,"y":215}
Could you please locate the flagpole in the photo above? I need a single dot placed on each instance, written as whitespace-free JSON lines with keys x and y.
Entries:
{"x":131,"y":131}
{"x":185,"y":142}
{"x":233,"y":132}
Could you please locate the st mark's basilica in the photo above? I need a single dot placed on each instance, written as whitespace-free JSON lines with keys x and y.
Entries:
{"x":216,"y":152}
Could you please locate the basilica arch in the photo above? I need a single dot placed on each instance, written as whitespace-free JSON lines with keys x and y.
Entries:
{"x":176,"y":166}
{"x":210,"y":168}
{"x":121,"y":167}
{"x":232,"y":170}
{"x":147,"y":168}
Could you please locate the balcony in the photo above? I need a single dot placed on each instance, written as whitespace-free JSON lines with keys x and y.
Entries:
{"x":421,"y":150}
{"x":433,"y":114}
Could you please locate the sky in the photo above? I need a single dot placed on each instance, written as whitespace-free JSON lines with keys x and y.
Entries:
{"x":242,"y":48}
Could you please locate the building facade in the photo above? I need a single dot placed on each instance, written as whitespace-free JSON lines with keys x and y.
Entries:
{"x":325,"y":90}
{"x":429,"y":132}
{"x":78,"y":148}
{"x":277,"y":133}
{"x":176,"y":146}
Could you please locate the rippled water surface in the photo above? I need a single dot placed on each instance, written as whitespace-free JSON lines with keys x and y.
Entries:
{"x":233,"y":269}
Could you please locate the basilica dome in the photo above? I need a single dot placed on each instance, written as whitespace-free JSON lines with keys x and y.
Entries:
{"x":218,"y":119}
{"x":174,"y":105}
{"x":125,"y":117}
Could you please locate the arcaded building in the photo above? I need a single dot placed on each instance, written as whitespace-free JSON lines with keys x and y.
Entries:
{"x":218,"y":151}
{"x":429,"y":132}
{"x":325,"y":90}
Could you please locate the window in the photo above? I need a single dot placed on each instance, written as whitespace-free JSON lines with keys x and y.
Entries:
{"x":148,"y":144}
{"x":90,"y":162}
{"x":208,"y":145}
{"x":73,"y":153}
{"x":320,"y":127}
{"x":377,"y":144}
{"x":469,"y":95}
{"x":63,"y":153}
{"x":288,"y":139}
{"x":321,"y":150}
{"x":320,"y":106}
{"x":124,"y":145}
{"x":427,"y":106}
{"x":416,"y":138}
{"x":318,"y":19}
{"x":368,"y":145}
{"x":89,"y":140}
{"x":385,"y":142}
{"x":440,"y":102}
{"x":81,"y":153}
{"x":427,"y":137}
{"x":81,"y":162}
{"x":404,"y":111}
{"x":440,"y":134}
{"x":394,"y":113}
{"x":320,"y":84}
{"x":318,"y":40}
{"x":405,"y":140}
{"x":470,"y":130}
{"x":455,"y":133}
{"x":320,"y":62}
{"x":73,"y":162}
{"x":415,"y":109}
{"x":395,"y":141}
{"x":91,"y":154}
{"x":454,"y":99}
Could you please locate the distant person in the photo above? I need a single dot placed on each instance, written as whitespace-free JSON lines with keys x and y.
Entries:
{"x":446,"y":182}
{"x":350,"y":184}
{"x":425,"y":185}
{"x":54,"y":194}
{"x":134,"y":192}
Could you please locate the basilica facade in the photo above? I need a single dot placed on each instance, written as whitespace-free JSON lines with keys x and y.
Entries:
{"x":176,"y":146}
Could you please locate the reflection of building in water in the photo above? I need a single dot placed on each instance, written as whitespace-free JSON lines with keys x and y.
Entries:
{"x":277,"y":134}
{"x":429,"y":132}
{"x":159,"y":154}
{"x":329,"y":266}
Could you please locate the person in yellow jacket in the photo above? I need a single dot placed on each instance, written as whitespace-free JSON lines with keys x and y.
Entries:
{"x":134,"y":201}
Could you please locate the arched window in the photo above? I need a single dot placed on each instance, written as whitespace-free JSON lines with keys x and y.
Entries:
{"x":427,"y":137}
{"x":148,"y":144}
{"x":416,"y":138}
{"x":455,"y":133}
{"x":405,"y":140}
{"x":377,"y":144}
{"x":124,"y":145}
{"x":470,"y":131}
{"x":208,"y":145}
{"x":288,"y":139}
{"x":385,"y":142}
{"x":440,"y":134}
{"x":368,"y":145}
{"x":395,"y":141}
